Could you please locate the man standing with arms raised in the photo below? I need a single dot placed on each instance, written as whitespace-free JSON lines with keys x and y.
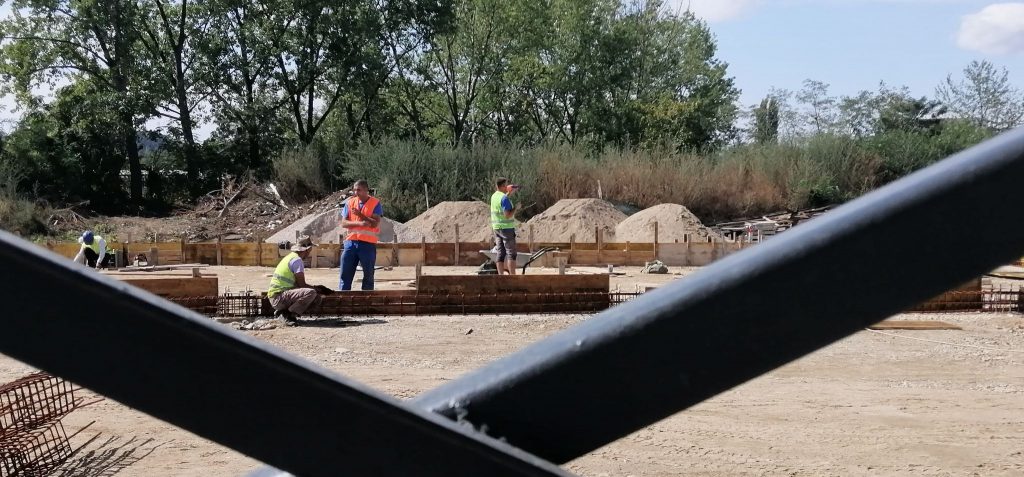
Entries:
{"x":361,"y":218}
{"x":504,"y":225}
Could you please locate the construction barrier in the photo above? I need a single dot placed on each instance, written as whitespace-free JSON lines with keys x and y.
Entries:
{"x":410,"y":254}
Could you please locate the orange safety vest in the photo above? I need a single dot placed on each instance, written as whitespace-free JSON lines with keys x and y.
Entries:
{"x":364,"y":234}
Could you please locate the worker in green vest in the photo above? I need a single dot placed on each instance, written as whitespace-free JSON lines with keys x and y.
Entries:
{"x":504,"y":225}
{"x":289,"y":293}
{"x":93,"y":250}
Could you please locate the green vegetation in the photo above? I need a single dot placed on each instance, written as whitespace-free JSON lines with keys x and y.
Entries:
{"x":560,"y":95}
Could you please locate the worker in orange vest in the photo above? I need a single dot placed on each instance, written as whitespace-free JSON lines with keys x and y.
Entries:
{"x":361,"y":217}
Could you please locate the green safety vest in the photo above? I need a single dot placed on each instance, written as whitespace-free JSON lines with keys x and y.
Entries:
{"x":498,"y":220}
{"x":283,"y":279}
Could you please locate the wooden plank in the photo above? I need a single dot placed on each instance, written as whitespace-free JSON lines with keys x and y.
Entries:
{"x":408,"y":257}
{"x":175,"y":287}
{"x":439,"y":254}
{"x":914,"y":325}
{"x":474,"y":284}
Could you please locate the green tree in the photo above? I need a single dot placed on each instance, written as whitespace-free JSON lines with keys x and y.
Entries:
{"x":984,"y":95}
{"x":820,"y":113}
{"x":170,"y":32}
{"x":766,"y":121}
{"x":665,"y":82}
{"x":237,"y":64}
{"x":54,"y":41}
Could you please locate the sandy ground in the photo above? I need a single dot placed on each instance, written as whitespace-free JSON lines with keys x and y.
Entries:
{"x":872,"y":404}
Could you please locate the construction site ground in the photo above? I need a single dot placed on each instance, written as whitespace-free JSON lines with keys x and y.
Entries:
{"x":902,"y":403}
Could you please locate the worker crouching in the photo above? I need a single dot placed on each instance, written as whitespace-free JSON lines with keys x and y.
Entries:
{"x":289,"y":293}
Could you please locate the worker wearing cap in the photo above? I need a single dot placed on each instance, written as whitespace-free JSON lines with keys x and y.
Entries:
{"x":360,"y":217}
{"x":289,"y":293}
{"x":93,"y":251}
{"x":504,"y":225}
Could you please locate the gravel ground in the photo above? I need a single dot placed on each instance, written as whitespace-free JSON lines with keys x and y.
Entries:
{"x":871,"y":404}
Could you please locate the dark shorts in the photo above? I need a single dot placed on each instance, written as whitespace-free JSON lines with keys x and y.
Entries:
{"x":91,"y":257}
{"x":505,"y":243}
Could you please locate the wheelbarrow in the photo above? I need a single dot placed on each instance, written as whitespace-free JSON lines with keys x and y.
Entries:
{"x":522,"y":259}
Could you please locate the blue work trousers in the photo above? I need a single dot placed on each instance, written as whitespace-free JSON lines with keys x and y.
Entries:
{"x":357,"y":252}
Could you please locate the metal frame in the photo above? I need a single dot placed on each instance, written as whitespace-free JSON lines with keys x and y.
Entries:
{"x":644,"y":360}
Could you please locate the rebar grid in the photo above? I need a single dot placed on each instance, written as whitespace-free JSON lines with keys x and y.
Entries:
{"x":32,"y":438}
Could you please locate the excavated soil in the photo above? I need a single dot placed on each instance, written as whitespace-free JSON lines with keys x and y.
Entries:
{"x":437,"y":224}
{"x":675,"y":223}
{"x":576,"y":217}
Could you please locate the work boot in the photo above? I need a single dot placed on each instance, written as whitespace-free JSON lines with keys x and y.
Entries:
{"x":290,"y":318}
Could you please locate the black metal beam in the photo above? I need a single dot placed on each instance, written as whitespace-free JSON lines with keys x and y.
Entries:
{"x":184,"y":368}
{"x":753,"y":311}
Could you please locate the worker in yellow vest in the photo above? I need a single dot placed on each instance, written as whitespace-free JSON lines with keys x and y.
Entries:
{"x":289,"y":293}
{"x":93,"y":250}
{"x":503,"y":223}
{"x":360,"y":217}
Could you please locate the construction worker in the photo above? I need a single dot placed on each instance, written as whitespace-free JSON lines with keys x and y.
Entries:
{"x":93,"y":251}
{"x":289,"y":293}
{"x":504,"y":225}
{"x":361,"y":218}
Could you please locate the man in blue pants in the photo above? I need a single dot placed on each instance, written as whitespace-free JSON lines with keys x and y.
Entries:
{"x":361,"y":218}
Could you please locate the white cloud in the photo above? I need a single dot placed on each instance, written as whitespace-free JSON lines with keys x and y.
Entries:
{"x":713,"y":10}
{"x":996,"y":29}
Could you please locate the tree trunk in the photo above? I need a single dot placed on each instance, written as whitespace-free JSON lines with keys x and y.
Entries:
{"x":131,"y":150}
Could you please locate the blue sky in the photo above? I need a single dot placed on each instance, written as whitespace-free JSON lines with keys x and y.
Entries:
{"x":854,"y":44}
{"x":849,"y":44}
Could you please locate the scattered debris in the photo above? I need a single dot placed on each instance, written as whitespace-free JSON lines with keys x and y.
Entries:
{"x":655,"y":267}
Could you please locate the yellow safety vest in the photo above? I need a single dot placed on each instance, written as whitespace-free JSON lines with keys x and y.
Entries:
{"x":283,"y":278}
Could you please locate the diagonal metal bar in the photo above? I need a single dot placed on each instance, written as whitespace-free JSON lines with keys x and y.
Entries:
{"x":178,"y":366}
{"x":753,"y":311}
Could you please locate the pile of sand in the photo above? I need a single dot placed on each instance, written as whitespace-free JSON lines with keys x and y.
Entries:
{"x":576,"y":217}
{"x":325,"y":227}
{"x":674,"y":223}
{"x":437,"y":224}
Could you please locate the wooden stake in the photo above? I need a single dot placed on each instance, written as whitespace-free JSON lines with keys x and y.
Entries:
{"x":423,"y":249}
{"x":419,"y":273}
{"x":456,"y":245}
{"x":220,"y":251}
{"x":259,"y":251}
{"x":181,"y":246}
{"x":572,"y":247}
{"x":154,"y":256}
{"x":655,"y":240}
{"x":628,"y":255}
{"x":531,"y":238}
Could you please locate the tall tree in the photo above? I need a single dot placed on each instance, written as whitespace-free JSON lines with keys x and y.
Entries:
{"x":766,"y":121}
{"x":984,"y":95}
{"x":170,"y":32}
{"x":238,"y":63}
{"x":458,"y":64}
{"x":667,"y":82}
{"x":820,"y":111}
{"x":55,"y":41}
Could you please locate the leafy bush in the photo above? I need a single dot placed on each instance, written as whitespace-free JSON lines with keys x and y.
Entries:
{"x":299,"y":175}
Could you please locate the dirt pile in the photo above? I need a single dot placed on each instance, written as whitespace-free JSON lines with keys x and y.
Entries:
{"x":437,"y":224}
{"x":675,"y":222}
{"x":325,"y":227}
{"x":577,"y":217}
